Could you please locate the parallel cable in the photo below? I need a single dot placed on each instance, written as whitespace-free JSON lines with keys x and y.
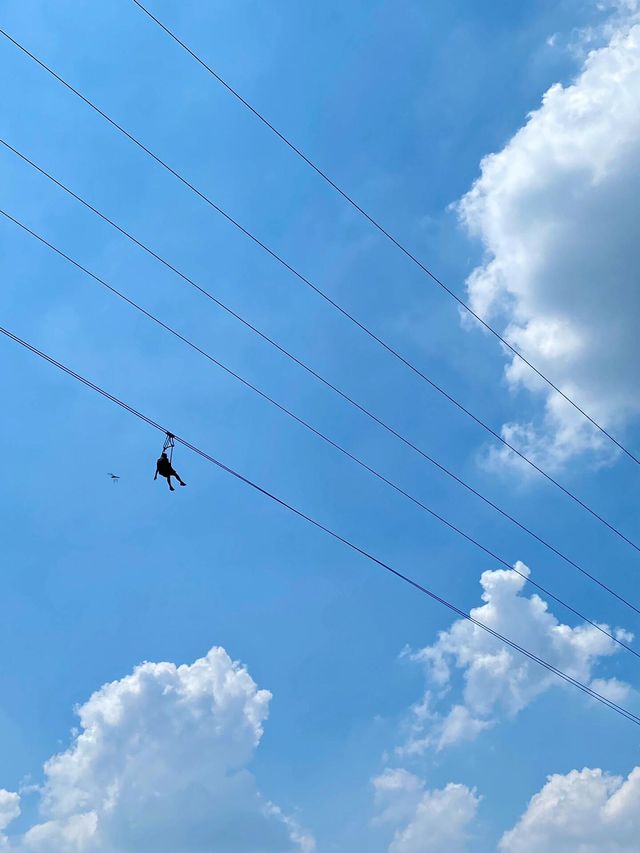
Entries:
{"x":376,"y":224}
{"x":342,"y":394}
{"x":317,"y":432}
{"x":629,"y":715}
{"x":317,"y":290}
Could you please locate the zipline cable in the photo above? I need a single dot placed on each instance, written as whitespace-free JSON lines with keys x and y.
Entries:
{"x":169,"y":443}
{"x":330,"y":385}
{"x":629,"y":715}
{"x":346,"y":397}
{"x":376,"y":224}
{"x":322,"y":379}
{"x":327,"y":298}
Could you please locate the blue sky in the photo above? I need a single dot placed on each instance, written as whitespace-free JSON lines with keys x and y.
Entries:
{"x":400,"y":103}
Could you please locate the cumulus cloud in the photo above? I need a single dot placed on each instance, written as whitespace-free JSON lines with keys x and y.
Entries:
{"x":434,"y":821}
{"x":556,"y":211}
{"x":159,"y":763}
{"x":9,"y":810}
{"x":497,"y":681}
{"x":586,"y":810}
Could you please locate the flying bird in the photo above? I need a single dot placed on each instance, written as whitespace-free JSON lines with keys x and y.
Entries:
{"x":114,"y":477}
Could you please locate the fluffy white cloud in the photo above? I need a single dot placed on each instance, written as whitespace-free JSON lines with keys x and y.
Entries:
{"x":497,"y":680}
{"x":586,"y":811}
{"x":9,"y":810}
{"x":434,"y":821}
{"x":397,"y":794}
{"x":557,"y":212}
{"x":612,"y":689}
{"x":159,"y":763}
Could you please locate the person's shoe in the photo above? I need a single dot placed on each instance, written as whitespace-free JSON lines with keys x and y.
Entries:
{"x":171,"y":489}
{"x":183,"y":484}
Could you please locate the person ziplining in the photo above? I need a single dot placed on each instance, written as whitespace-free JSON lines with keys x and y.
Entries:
{"x":164,"y":465}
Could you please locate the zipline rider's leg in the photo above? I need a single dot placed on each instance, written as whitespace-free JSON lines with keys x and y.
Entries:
{"x":175,"y":474}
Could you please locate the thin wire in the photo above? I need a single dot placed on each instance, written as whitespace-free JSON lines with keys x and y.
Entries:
{"x":384,"y":231}
{"x":332,"y":533}
{"x":306,"y":281}
{"x":169,"y":441}
{"x":333,"y":387}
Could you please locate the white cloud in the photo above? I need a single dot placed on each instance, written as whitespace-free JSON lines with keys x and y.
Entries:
{"x":159,"y":763}
{"x":557,"y":211}
{"x":397,"y":794}
{"x":9,"y":810}
{"x":458,"y":726}
{"x":498,"y":681}
{"x":587,"y":811}
{"x":435,"y":821}
{"x":612,"y":689}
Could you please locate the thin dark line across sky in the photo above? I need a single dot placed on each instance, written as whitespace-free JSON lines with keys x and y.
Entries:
{"x":132,"y":304}
{"x":629,"y":715}
{"x":377,"y":225}
{"x":307,"y":282}
{"x":442,"y":468}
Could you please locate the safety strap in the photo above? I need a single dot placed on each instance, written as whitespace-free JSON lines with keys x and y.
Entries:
{"x":169,"y":444}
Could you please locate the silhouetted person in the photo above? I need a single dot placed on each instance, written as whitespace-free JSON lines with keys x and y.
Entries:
{"x":165,"y":469}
